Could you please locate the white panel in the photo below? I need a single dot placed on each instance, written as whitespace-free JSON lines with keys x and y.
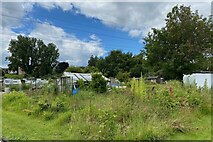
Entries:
{"x":199,"y":78}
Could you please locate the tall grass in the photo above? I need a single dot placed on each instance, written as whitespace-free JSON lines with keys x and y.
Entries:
{"x":139,"y":112}
{"x":138,"y":87}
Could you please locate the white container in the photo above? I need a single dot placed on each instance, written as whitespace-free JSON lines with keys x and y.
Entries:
{"x":199,"y":79}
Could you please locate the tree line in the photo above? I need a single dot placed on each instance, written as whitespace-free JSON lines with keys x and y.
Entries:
{"x":120,"y":65}
{"x":182,"y":46}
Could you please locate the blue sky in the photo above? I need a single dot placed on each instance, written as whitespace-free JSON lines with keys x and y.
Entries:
{"x":83,"y":29}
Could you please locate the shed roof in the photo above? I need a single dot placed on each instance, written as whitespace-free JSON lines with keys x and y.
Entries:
{"x":83,"y":76}
{"x":152,"y":77}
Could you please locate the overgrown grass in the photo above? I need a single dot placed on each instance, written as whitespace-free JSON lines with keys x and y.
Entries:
{"x":159,"y":114}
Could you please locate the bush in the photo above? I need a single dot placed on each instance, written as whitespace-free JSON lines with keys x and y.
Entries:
{"x":48,"y":115}
{"x":80,"y":83}
{"x":14,"y":76}
{"x":123,"y":77}
{"x":64,"y":118}
{"x":58,"y":105}
{"x":74,"y":69}
{"x":16,"y":101}
{"x":91,"y":69}
{"x":16,"y":87}
{"x":98,"y":83}
{"x":26,"y":86}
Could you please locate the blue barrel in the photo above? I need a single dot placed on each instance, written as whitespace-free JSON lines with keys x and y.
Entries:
{"x":74,"y":91}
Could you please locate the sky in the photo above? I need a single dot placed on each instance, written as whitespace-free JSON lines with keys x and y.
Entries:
{"x":82,"y":29}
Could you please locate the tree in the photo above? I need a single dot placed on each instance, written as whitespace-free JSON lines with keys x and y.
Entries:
{"x":98,"y":83}
{"x":116,"y":62}
{"x":139,"y":65}
{"x":91,"y":69}
{"x":60,"y":68}
{"x":74,"y":69}
{"x":32,"y":56}
{"x":2,"y":73}
{"x":123,"y":77}
{"x":182,"y":46}
{"x":93,"y":61}
{"x":102,"y":66}
{"x":119,"y":62}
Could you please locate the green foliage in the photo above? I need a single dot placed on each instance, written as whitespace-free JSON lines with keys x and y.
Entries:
{"x":118,"y":115}
{"x":182,"y":46}
{"x":74,"y":69}
{"x":13,"y":76}
{"x":32,"y":55}
{"x":20,"y":87}
{"x":15,"y":87}
{"x":61,"y":67}
{"x":15,"y":101}
{"x":123,"y":77}
{"x":98,"y":83}
{"x":93,"y":61}
{"x":2,"y":72}
{"x":107,"y":124}
{"x":87,"y":69}
{"x":26,"y":86}
{"x":138,"y":87}
{"x":118,"y":62}
{"x":91,"y":69}
{"x":47,"y":115}
{"x":64,"y":118}
{"x":81,"y":84}
{"x":58,"y":105}
{"x":205,"y":86}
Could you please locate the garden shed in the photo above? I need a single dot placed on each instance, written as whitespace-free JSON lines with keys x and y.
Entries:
{"x":155,"y":79}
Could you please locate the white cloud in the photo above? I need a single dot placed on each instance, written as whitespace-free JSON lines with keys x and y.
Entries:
{"x":6,"y":36}
{"x":135,"y":33}
{"x":135,"y":18}
{"x":72,"y":49}
{"x":94,"y":37}
{"x":12,"y":13}
{"x":65,"y":6}
{"x":11,"y":16}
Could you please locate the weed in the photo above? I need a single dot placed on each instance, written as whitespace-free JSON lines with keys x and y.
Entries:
{"x":135,"y":113}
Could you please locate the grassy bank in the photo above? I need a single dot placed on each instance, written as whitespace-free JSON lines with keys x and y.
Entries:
{"x":120,"y":114}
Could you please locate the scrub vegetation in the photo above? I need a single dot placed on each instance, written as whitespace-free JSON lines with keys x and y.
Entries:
{"x":169,"y":111}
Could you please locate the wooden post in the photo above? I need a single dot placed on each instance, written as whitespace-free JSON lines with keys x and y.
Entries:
{"x":66,"y":80}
